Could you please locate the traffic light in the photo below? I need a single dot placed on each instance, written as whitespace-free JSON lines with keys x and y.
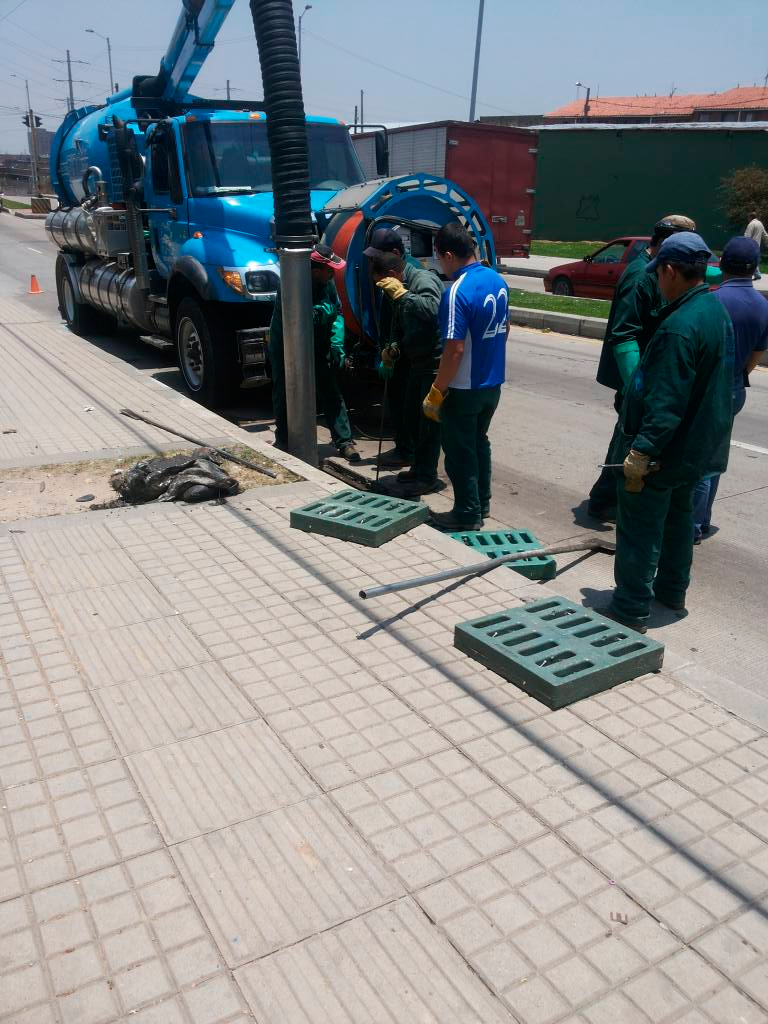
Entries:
{"x":38,"y":121}
{"x":25,"y":119}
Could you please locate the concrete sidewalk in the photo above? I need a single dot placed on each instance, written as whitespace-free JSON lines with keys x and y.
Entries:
{"x":233,"y":791}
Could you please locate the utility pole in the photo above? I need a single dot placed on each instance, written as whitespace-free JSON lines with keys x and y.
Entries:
{"x":30,"y":120}
{"x":355,"y":128}
{"x":69,"y":62}
{"x":229,"y":91}
{"x":362,"y":116}
{"x":478,"y":40}
{"x":308,"y":7}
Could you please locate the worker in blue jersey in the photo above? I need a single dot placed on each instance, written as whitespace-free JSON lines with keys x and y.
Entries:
{"x":748,"y":311}
{"x":473,"y":327}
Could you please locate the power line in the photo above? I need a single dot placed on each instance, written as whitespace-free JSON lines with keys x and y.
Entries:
{"x":13,"y":11}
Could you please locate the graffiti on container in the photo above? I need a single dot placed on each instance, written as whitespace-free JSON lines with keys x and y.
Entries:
{"x":588,"y":208}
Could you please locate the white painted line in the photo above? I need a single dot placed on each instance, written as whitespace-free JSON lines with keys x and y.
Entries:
{"x":749,"y":447}
{"x":38,"y":251}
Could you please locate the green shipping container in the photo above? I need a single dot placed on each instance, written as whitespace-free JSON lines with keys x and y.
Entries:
{"x":600,"y":182}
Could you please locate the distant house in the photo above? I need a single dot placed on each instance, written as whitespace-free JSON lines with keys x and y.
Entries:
{"x":741,"y":104}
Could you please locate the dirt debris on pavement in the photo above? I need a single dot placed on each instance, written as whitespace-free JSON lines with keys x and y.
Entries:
{"x":54,"y":489}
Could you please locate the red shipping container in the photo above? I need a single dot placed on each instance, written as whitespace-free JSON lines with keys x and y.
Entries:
{"x":495,"y":164}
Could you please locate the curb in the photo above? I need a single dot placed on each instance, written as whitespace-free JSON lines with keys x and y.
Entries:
{"x":29,"y":216}
{"x":563,"y":323}
{"x":504,"y":268}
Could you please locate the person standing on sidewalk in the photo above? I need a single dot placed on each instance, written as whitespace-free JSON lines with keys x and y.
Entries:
{"x":414,"y":338}
{"x":329,"y":355}
{"x":632,"y":319}
{"x":748,"y":311}
{"x":474,"y":328}
{"x":755,"y":230}
{"x":674,"y":428}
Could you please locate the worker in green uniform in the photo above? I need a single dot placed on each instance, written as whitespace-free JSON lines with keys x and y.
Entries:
{"x":632,"y":319}
{"x":413,"y":338}
{"x":674,"y":428}
{"x":329,"y":355}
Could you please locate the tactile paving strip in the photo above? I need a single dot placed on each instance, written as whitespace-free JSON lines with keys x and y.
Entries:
{"x":496,"y":543}
{"x":359,"y":516}
{"x":558,"y":651}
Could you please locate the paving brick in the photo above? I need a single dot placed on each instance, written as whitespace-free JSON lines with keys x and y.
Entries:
{"x":205,"y":783}
{"x":355,"y":735}
{"x":76,"y":822}
{"x":440,"y":815}
{"x":173,"y":706}
{"x":107,"y":608}
{"x":388,"y":965}
{"x":272,"y":881}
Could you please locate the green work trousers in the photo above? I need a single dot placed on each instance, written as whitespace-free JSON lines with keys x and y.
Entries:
{"x":416,"y":437}
{"x":328,"y":397}
{"x":654,"y":546}
{"x":465,"y":417}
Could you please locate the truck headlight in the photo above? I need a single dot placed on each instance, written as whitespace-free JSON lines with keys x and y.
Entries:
{"x":261,"y":280}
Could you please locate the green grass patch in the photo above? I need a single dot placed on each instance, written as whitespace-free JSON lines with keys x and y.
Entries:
{"x":14,"y":204}
{"x":558,"y":303}
{"x":568,"y":250}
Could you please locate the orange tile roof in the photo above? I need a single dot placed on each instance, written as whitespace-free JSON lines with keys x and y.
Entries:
{"x":665,"y":106}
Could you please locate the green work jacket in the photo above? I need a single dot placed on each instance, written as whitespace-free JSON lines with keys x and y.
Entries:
{"x":327,"y":319}
{"x":678,"y":407}
{"x":414,"y":318}
{"x":633,"y":316}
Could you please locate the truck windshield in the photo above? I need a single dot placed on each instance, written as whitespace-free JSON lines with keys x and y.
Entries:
{"x":233,"y":157}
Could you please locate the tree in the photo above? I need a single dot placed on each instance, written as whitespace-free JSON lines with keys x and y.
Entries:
{"x":742,"y":192}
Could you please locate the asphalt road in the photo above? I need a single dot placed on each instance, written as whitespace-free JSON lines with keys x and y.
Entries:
{"x":550,"y":433}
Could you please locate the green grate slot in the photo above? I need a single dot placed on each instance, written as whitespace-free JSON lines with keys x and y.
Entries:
{"x":359,"y":516}
{"x":558,"y":651}
{"x":495,"y":543}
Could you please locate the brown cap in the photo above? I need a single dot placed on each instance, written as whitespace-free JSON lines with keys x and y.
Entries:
{"x":680,"y":221}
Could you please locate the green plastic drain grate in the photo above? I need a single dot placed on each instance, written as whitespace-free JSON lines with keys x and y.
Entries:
{"x":359,"y":516}
{"x":557,"y":651}
{"x":495,"y":543}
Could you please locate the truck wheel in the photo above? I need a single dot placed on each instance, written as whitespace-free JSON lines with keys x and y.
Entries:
{"x":81,"y":318}
{"x":206,"y":356}
{"x":562,"y":286}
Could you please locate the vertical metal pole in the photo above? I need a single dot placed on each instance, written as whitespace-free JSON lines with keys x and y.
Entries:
{"x":362,"y":116}
{"x":229,"y":93}
{"x":298,"y":341}
{"x":586,"y":104}
{"x":69,"y":78}
{"x":33,"y":140}
{"x":478,"y":40}
{"x":109,"y":58}
{"x":355,"y":129}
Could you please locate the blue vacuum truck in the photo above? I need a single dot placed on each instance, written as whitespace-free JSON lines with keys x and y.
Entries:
{"x":166,"y":220}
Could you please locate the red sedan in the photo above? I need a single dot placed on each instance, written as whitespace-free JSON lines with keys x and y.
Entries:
{"x":596,"y":276}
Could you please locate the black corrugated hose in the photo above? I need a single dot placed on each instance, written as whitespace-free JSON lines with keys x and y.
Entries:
{"x":286,"y":126}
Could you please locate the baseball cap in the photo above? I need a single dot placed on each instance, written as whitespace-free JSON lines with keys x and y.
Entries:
{"x":740,"y":254}
{"x":384,"y":240}
{"x":682,"y":247}
{"x":324,"y":254}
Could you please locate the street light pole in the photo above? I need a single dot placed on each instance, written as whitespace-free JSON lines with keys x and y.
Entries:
{"x":580,"y":85}
{"x":34,"y":153}
{"x":93,"y":32}
{"x":301,"y":17}
{"x":478,"y":40}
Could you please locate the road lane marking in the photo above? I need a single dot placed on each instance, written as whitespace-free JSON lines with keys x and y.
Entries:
{"x":749,"y":447}
{"x":38,"y":251}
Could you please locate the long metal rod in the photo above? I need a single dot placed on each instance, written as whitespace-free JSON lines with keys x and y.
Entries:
{"x":478,"y":40}
{"x":299,"y":351}
{"x":229,"y":456}
{"x":591,"y":542}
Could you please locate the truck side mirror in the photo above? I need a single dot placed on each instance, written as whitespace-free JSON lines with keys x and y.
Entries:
{"x":381,"y":142}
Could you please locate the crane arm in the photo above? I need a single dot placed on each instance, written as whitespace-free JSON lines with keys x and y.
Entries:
{"x":190,"y":45}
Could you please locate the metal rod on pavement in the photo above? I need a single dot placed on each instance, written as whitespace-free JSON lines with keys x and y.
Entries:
{"x":229,"y":456}
{"x":590,"y":542}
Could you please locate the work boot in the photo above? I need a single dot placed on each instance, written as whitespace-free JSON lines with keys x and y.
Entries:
{"x":675,"y":604}
{"x":602,"y":514}
{"x":414,"y":485}
{"x":407,"y":475}
{"x":349,"y":451}
{"x":393,"y":460}
{"x":450,"y":523}
{"x":485,"y":511}
{"x":624,"y":620}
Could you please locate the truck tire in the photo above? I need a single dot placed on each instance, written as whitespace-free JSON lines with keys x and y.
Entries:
{"x":206,"y":356}
{"x":81,"y":318}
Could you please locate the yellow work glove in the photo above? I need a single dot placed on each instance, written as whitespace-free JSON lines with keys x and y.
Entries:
{"x":431,"y":404}
{"x":392,"y":288}
{"x":389,"y":355}
{"x":635,"y":468}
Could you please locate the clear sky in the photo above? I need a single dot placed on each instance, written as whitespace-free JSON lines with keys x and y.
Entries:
{"x":532,"y":53}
